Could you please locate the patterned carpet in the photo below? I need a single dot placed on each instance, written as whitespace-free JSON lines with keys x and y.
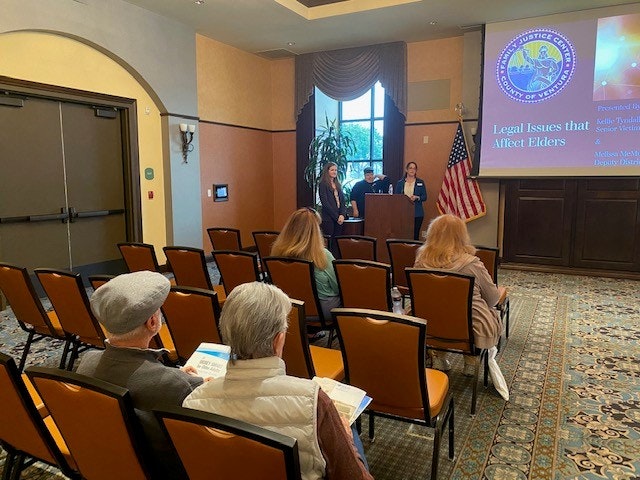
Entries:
{"x":572,"y":363}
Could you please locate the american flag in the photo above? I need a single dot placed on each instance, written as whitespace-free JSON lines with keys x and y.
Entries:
{"x":460,"y":195}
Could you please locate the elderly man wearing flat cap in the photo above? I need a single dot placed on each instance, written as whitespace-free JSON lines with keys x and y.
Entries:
{"x":128,"y":306}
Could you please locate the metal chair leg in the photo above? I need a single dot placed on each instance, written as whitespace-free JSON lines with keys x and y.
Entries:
{"x":25,"y":351}
{"x":371,"y":427}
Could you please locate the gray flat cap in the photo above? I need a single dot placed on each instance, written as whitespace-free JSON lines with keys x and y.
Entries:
{"x":127,"y":301}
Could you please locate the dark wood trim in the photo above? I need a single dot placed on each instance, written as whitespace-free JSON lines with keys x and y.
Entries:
{"x":180,"y":115}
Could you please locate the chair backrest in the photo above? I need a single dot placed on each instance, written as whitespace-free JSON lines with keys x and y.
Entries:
{"x":21,"y":295}
{"x":444,"y":300}
{"x":402,"y":254}
{"x":96,"y":281}
{"x":69,"y":299}
{"x":236,"y":268}
{"x":264,"y":240}
{"x":356,"y":247}
{"x":22,"y":428}
{"x":139,"y":256}
{"x":364,"y":284}
{"x":192,"y":317}
{"x":489,"y":257}
{"x":97,"y":421}
{"x":296,"y":354}
{"x":188,"y":266}
{"x":225,"y":238}
{"x":383,"y":354}
{"x":295,"y":278}
{"x":210,"y":444}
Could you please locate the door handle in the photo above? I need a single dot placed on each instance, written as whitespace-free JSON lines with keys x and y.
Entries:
{"x":95,"y":213}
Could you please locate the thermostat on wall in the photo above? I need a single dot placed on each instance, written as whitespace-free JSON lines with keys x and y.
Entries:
{"x":221,"y":192}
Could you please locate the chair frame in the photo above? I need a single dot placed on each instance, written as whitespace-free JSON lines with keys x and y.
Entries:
{"x":324,"y":324}
{"x":259,"y":233}
{"x":359,"y":238}
{"x":253,"y":255}
{"x":472,"y":349}
{"x":370,"y":264}
{"x":298,"y":306}
{"x":96,"y":281}
{"x":16,"y":460}
{"x":202,"y":260}
{"x":78,"y":345}
{"x":395,"y":269}
{"x":215,"y":305}
{"x":504,"y":307}
{"x":33,"y":335}
{"x":146,"y":246}
{"x":287,"y":445}
{"x":446,"y":414}
{"x":130,"y":420}
{"x":223,"y":229}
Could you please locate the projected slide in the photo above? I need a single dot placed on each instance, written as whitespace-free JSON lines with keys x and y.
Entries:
{"x":562,"y":97}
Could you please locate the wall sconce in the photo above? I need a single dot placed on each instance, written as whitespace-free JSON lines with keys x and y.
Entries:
{"x":186,"y":135}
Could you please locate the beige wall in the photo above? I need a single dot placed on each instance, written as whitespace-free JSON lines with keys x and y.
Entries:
{"x":52,"y":59}
{"x":254,"y":152}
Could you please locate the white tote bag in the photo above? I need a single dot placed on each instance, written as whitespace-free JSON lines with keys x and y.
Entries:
{"x":496,"y":374}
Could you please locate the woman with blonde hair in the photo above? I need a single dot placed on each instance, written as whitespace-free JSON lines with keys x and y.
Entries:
{"x":448,"y":247}
{"x":332,"y":200}
{"x":301,"y":238}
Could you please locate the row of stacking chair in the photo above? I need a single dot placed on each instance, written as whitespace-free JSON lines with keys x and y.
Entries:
{"x":88,"y":429}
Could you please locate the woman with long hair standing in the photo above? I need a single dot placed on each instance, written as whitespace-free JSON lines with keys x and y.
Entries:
{"x":332,"y":200}
{"x":448,"y":247}
{"x":414,"y":188}
{"x":301,"y":238}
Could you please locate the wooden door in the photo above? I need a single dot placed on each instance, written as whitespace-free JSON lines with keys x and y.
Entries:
{"x":33,"y":219}
{"x":64,"y":205}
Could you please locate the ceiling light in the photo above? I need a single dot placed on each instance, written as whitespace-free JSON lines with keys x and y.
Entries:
{"x":199,"y":2}
{"x":291,"y":44}
{"x":433,"y":22}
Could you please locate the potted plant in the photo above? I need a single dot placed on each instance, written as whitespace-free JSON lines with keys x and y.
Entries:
{"x":330,"y":145}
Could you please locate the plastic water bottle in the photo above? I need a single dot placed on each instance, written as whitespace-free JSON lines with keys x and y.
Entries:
{"x":390,"y":189}
{"x":396,"y":300}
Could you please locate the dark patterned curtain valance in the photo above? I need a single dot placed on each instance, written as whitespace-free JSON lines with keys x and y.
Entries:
{"x":347,"y":74}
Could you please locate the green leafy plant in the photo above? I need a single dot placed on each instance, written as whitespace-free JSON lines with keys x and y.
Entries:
{"x":330,"y":145}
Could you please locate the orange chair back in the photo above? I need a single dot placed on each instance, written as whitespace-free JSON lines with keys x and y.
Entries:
{"x":139,"y":256}
{"x":402,"y":254}
{"x":189,"y":267}
{"x":295,"y":278}
{"x":356,"y":247}
{"x":225,"y":238}
{"x":69,"y":299}
{"x":97,"y":421}
{"x":444,"y":300}
{"x":489,"y":258}
{"x":192,"y":317}
{"x":236,"y":268}
{"x":22,"y":428}
{"x":21,"y":295}
{"x":384,"y":355}
{"x":364,"y":284}
{"x":231,"y":448}
{"x":264,"y":241}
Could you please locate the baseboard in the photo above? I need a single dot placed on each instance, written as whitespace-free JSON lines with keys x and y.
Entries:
{"x":571,"y":271}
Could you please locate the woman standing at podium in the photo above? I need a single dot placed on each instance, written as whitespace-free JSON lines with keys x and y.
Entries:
{"x":332,"y":200}
{"x":414,"y":188}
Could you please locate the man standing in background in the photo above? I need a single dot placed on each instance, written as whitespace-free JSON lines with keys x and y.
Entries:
{"x":372,"y":183}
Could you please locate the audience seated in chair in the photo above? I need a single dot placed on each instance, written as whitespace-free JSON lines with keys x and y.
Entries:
{"x":256,"y":389}
{"x":128,"y":307}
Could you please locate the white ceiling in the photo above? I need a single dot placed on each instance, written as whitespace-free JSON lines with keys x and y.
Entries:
{"x":259,"y":25}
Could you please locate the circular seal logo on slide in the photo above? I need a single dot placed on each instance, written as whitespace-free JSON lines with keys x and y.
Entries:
{"x":535,"y":65}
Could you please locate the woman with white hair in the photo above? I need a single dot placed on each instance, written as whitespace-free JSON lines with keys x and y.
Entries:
{"x":257,"y":390}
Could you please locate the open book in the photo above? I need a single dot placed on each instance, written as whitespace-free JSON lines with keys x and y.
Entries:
{"x":210,"y":360}
{"x":349,"y":401}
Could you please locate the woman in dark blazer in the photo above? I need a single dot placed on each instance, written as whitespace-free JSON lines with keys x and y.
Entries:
{"x":414,"y":188}
{"x":332,"y":200}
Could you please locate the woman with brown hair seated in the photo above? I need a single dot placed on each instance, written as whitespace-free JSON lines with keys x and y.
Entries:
{"x":301,"y":238}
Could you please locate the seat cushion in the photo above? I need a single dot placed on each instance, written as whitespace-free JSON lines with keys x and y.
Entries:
{"x":437,"y":387}
{"x":327,"y":362}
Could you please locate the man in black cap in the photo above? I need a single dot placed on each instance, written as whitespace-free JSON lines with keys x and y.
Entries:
{"x":372,"y":183}
{"x":128,"y":306}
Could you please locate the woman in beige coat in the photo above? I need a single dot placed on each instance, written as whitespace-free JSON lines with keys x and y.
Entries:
{"x":448,"y":247}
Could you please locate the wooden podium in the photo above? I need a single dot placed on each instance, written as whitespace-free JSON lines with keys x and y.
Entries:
{"x":388,"y":216}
